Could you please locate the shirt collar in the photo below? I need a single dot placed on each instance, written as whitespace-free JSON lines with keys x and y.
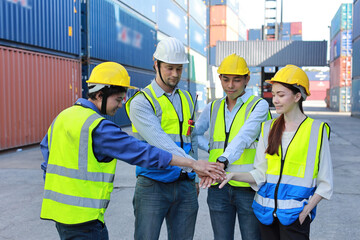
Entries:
{"x":241,"y":99}
{"x":159,"y":91}
{"x":86,"y":103}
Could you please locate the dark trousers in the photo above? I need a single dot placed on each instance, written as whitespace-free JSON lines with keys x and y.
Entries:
{"x":94,"y":230}
{"x":277,"y":231}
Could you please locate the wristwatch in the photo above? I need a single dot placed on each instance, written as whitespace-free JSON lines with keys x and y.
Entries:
{"x":223,"y":160}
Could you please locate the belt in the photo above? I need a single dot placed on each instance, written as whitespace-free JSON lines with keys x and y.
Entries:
{"x":183,"y":176}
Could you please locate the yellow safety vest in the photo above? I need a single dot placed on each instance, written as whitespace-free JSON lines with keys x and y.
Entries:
{"x":77,"y":186}
{"x":291,"y":175}
{"x":169,"y":119}
{"x":219,"y":139}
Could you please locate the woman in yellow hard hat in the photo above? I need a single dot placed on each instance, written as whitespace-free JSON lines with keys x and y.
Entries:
{"x":80,"y":151}
{"x":293,"y":169}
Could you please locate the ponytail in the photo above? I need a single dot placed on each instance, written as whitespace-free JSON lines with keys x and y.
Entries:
{"x":275,"y":136}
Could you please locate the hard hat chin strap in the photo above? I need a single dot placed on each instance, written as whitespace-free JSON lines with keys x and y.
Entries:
{"x":104,"y":100}
{"x":158,"y":64}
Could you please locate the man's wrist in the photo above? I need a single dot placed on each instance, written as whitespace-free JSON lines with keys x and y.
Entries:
{"x":223,"y":160}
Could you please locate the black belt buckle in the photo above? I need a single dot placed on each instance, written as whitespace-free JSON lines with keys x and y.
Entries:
{"x":183,"y":176}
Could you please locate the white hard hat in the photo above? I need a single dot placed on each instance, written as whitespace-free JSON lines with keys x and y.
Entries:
{"x":171,"y":50}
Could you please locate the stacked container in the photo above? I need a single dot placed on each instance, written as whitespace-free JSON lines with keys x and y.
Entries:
{"x":49,"y":48}
{"x":40,"y":67}
{"x":355,"y":96}
{"x":319,"y":83}
{"x":341,"y":59}
{"x":291,"y":31}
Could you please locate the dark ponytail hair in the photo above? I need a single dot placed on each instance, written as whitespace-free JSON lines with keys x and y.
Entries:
{"x":275,"y":135}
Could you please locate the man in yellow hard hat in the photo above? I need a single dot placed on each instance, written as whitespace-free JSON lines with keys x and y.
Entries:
{"x":160,"y":114}
{"x":80,"y":151}
{"x":234,"y":123}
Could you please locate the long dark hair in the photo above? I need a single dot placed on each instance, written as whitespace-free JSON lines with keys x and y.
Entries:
{"x":278,"y":128}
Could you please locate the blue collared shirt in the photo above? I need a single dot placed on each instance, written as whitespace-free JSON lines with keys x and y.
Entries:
{"x":110,"y":142}
{"x":248,"y":133}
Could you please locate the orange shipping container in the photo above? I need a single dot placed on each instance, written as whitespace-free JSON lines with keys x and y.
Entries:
{"x":222,"y":33}
{"x":35,"y":88}
{"x":224,"y":15}
{"x":340,"y":70}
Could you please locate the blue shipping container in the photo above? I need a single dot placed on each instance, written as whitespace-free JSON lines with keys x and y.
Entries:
{"x":146,"y":8}
{"x":117,"y":34}
{"x":342,"y":19}
{"x":172,"y":20}
{"x":182,"y":3}
{"x":356,"y":20}
{"x":197,"y":37}
{"x":197,"y":10}
{"x":285,"y":37}
{"x":296,"y":37}
{"x":47,"y":24}
{"x":212,"y":56}
{"x":255,"y":34}
{"x":356,"y":59}
{"x":318,"y":76}
{"x":341,"y":45}
{"x":355,"y":98}
{"x":201,"y":91}
{"x":286,"y":28}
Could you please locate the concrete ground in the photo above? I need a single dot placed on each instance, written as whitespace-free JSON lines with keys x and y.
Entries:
{"x":21,"y":188}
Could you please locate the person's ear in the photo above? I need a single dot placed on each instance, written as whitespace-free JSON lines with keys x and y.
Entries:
{"x":99,"y":95}
{"x":298,"y":97}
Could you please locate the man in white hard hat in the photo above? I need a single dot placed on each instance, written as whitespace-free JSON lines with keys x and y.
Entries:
{"x":160,"y":114}
{"x":80,"y":152}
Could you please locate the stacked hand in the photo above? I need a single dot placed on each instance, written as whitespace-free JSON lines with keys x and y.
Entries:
{"x":209,"y":170}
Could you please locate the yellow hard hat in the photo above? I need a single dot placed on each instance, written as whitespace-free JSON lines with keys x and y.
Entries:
{"x":292,"y":74}
{"x":233,"y":65}
{"x":110,"y":74}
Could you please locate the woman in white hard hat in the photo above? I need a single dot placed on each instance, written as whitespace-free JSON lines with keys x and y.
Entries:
{"x":293,"y":169}
{"x":80,"y":152}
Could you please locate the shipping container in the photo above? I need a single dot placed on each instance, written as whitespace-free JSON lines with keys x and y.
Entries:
{"x":286,"y":28}
{"x":285,"y":37}
{"x":198,"y":67}
{"x":35,"y":87}
{"x":340,"y":72}
{"x":197,"y":36}
{"x":341,"y":45}
{"x":233,"y":4}
{"x":356,"y":20}
{"x":173,"y":20}
{"x":318,"y":75}
{"x":356,"y":58}
{"x":201,"y":91}
{"x":50,"y":24}
{"x":296,"y":28}
{"x":355,"y":98}
{"x":197,"y":10}
{"x":342,"y":19}
{"x":223,"y":15}
{"x":318,"y":90}
{"x":128,"y":38}
{"x":182,"y":3}
{"x":212,"y":56}
{"x":340,"y":99}
{"x":222,"y":33}
{"x":254,"y":34}
{"x":147,"y":8}
{"x":296,"y":37}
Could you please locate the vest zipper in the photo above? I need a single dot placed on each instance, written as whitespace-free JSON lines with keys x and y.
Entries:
{"x":282,"y":168}
{"x":227,"y":134}
{"x":181,"y":137}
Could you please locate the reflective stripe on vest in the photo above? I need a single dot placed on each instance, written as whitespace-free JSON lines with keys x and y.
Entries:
{"x":170,"y":123}
{"x":77,"y":186}
{"x":218,"y":136}
{"x":298,"y":177}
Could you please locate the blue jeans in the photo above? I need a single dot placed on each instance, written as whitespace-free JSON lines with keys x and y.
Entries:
{"x":94,"y":230}
{"x":155,"y":201}
{"x":224,"y":204}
